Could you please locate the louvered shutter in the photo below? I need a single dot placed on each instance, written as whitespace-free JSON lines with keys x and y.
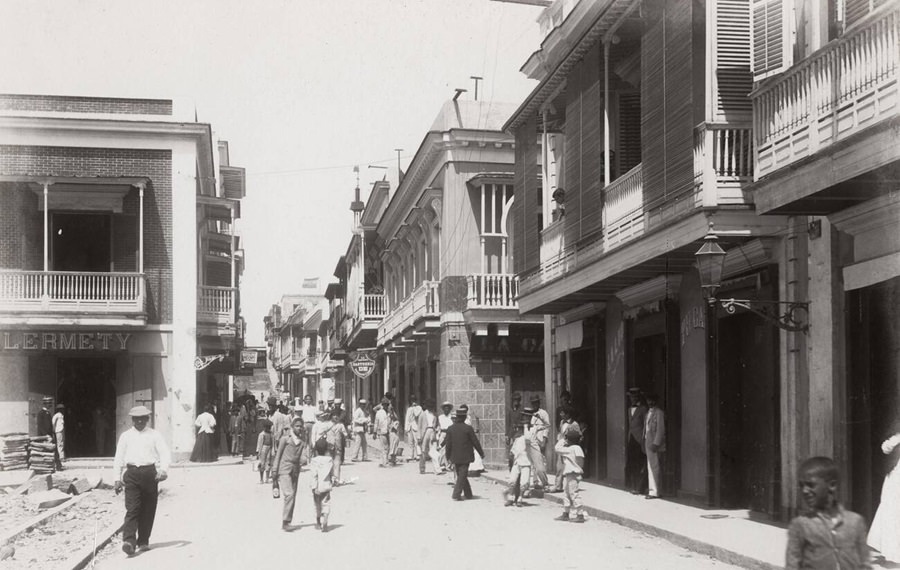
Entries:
{"x":770,"y":35}
{"x":856,"y":10}
{"x":733,"y":78}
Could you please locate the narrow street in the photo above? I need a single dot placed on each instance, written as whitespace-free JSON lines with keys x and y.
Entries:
{"x":221,"y":517}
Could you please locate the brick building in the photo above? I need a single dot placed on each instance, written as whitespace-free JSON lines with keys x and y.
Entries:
{"x":98,"y":308}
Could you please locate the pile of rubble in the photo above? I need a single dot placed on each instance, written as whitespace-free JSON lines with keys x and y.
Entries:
{"x":44,"y":490}
{"x":18,"y":451}
{"x":42,"y":454}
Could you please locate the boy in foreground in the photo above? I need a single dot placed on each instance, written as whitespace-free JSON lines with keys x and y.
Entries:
{"x":573,"y":469}
{"x":826,"y":536}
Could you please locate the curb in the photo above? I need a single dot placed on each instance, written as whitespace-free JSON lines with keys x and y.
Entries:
{"x":694,"y":545}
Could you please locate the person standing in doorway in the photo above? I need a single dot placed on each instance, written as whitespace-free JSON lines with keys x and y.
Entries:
{"x":461,"y":445}
{"x":141,"y":462}
{"x":101,"y":429}
{"x":635,"y":456}
{"x":59,"y":431}
{"x":360,"y":427}
{"x":655,"y":443}
{"x":45,"y":428}
{"x":884,"y":535}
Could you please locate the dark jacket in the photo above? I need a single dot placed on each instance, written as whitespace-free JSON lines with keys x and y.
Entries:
{"x":636,"y":423}
{"x":44,"y":423}
{"x":461,"y":443}
{"x":287,"y":457}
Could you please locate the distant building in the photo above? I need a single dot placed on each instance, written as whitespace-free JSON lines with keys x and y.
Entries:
{"x":119,"y":265}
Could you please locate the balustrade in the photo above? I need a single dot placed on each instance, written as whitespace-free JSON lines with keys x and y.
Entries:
{"x":493,"y":291}
{"x":216,"y":304}
{"x":72,"y":291}
{"x":849,"y":84}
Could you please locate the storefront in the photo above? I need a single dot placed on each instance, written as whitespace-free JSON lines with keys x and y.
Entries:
{"x":98,"y":375}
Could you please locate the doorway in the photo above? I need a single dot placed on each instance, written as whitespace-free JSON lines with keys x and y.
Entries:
{"x":81,"y":242}
{"x":86,"y":386}
{"x":749,"y":448}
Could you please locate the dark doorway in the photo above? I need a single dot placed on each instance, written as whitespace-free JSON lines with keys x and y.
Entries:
{"x":588,"y":413}
{"x":873,"y":388}
{"x":86,"y":386}
{"x":81,"y":242}
{"x":749,"y":450}
{"x":650,"y":366}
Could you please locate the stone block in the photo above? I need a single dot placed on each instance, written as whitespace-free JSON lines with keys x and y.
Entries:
{"x":48,"y":499}
{"x":36,"y":484}
{"x":79,"y":486}
{"x":15,"y":478}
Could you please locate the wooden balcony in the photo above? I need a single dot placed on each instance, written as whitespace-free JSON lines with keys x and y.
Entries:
{"x":423,"y":304}
{"x":848,"y":86}
{"x":492,"y":291}
{"x":362,"y":328}
{"x":67,"y":293}
{"x":372,"y":307}
{"x":216,"y":306}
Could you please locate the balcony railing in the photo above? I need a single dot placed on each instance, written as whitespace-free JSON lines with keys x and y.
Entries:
{"x":423,"y":302}
{"x":848,"y":85}
{"x":623,"y":213}
{"x":553,"y":240}
{"x":216,"y":304}
{"x":72,"y":291}
{"x":497,"y":291}
{"x":372,"y":307}
{"x":723,"y":162}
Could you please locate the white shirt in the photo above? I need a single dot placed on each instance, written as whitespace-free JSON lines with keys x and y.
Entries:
{"x":59,"y":422}
{"x":360,"y":420}
{"x":308,"y":413}
{"x":145,"y":447}
{"x":206,"y":422}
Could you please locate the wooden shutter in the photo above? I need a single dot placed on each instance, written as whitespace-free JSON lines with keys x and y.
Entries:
{"x":733,"y":78}
{"x":770,"y":34}
{"x":629,"y":131}
{"x":526,"y":230}
{"x":856,"y":10}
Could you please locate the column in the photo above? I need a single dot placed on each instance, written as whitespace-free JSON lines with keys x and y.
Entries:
{"x":45,"y":290}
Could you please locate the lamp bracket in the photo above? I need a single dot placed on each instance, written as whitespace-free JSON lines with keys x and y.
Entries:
{"x":770,"y":311}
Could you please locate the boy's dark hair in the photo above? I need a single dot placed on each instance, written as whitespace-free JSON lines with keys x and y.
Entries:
{"x":321,"y":447}
{"x":824,"y":467}
{"x":572,"y":436}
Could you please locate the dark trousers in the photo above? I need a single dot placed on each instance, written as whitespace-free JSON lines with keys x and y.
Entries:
{"x":462,"y":486}
{"x":635,"y":467}
{"x":141,"y":496}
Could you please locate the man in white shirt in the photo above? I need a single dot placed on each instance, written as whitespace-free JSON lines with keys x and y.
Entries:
{"x":411,"y":428}
{"x":309,"y":411}
{"x":360,"y":426}
{"x":142,"y":461}
{"x":59,"y":428}
{"x":382,"y":431}
{"x":540,"y":430}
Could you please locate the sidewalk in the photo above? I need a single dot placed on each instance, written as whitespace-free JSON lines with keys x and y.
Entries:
{"x":727,"y":535}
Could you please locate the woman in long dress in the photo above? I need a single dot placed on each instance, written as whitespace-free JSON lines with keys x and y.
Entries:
{"x":884,"y":535}
{"x":205,"y":444}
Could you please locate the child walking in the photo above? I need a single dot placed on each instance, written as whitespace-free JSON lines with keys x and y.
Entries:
{"x":826,"y":535}
{"x":573,"y":468}
{"x":520,"y":473}
{"x":322,"y":468}
{"x":264,"y":451}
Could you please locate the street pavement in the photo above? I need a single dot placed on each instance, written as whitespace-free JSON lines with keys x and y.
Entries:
{"x":221,"y":517}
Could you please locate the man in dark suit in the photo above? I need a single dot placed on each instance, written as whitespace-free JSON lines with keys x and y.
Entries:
{"x":635,"y":457}
{"x":461,"y":444}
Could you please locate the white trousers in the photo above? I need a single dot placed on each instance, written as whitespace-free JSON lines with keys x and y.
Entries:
{"x":653,"y":473}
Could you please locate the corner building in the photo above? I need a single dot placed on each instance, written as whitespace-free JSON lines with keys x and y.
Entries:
{"x":98,"y":308}
{"x":452,"y":329}
{"x":653,"y":119}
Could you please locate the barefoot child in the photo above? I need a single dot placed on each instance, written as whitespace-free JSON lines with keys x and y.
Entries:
{"x":573,"y":468}
{"x":322,"y":468}
{"x":826,"y":535}
{"x":520,"y":473}
{"x":264,"y":451}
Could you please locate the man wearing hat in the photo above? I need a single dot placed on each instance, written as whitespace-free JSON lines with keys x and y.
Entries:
{"x":540,"y":431}
{"x":635,"y":457}
{"x":142,"y":461}
{"x":444,"y":421}
{"x":360,"y":426}
{"x":45,"y":427}
{"x":461,"y":444}
{"x":383,"y":431}
{"x":59,"y":431}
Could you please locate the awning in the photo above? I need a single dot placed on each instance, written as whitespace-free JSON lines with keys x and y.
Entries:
{"x":569,"y":336}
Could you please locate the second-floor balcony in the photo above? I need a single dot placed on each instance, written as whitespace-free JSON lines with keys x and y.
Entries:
{"x":360,"y":329}
{"x":827,"y":99}
{"x":216,"y":307}
{"x":66,"y":293}
{"x":722,"y":172}
{"x":418,"y":310}
{"x":492,"y":291}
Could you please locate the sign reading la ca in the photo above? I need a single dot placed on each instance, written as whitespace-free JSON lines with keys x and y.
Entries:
{"x":362,"y":365}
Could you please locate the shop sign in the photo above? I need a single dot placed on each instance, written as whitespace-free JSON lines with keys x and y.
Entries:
{"x":332,"y":366}
{"x":362,"y":365}
{"x":19,"y":340}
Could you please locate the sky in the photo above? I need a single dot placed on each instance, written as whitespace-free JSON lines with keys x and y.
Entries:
{"x":302,"y":90}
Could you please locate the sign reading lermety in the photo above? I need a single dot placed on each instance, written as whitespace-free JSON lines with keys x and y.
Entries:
{"x":362,"y":365}
{"x":18,"y":340}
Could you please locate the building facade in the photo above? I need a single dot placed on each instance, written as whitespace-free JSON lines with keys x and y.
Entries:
{"x":98,"y":309}
{"x":653,"y":120}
